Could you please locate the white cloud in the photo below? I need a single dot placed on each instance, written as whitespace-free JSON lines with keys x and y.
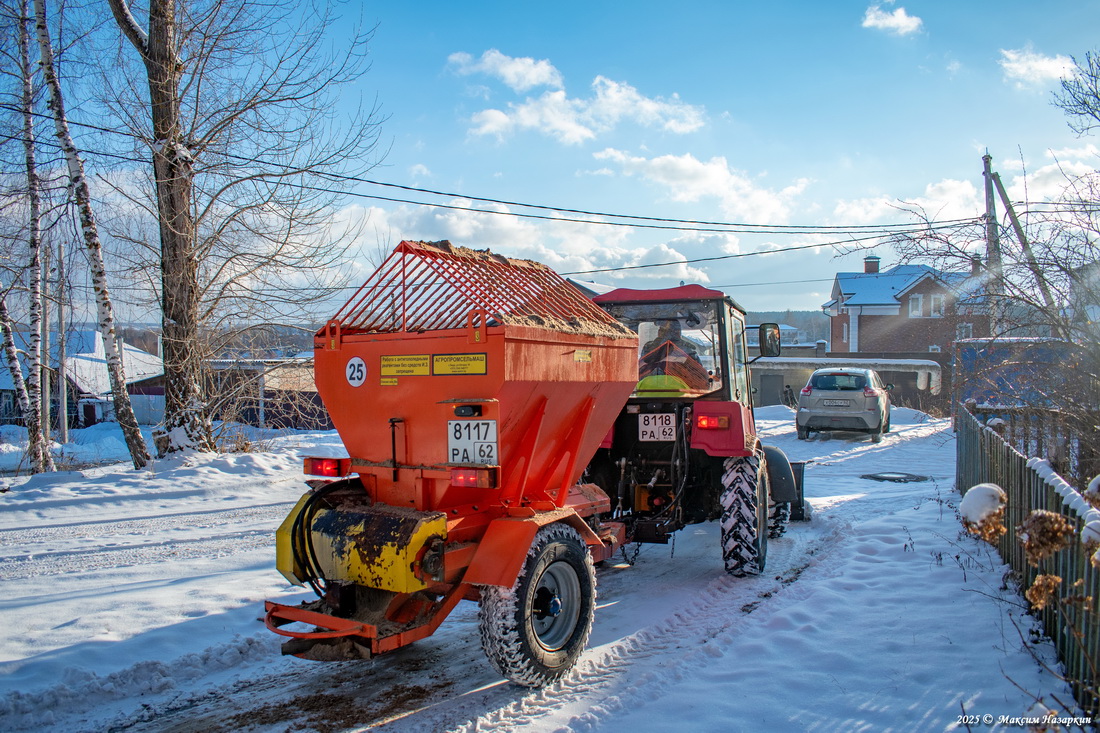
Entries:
{"x":946,"y":199}
{"x":617,"y":101}
{"x":420,"y":170}
{"x":553,"y":114}
{"x":1028,"y":68}
{"x":899,"y":22}
{"x":571,"y":120}
{"x":1088,"y":151}
{"x":688,"y":179}
{"x":1049,"y":182}
{"x":520,"y":74}
{"x":565,"y":246}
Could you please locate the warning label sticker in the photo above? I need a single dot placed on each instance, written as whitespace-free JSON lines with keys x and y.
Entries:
{"x":406,"y":365}
{"x":444,"y":364}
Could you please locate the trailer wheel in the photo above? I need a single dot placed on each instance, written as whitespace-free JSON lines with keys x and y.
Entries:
{"x":534,"y":631}
{"x":744,"y":516}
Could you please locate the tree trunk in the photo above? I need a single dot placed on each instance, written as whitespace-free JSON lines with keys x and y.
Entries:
{"x":185,"y":421}
{"x":30,"y":392}
{"x":78,"y":185}
{"x":37,"y":450}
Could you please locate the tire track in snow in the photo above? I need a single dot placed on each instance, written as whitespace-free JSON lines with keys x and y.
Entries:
{"x":52,"y":550}
{"x":604,"y":676}
{"x":81,"y":561}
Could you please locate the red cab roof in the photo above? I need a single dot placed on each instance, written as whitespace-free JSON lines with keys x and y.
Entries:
{"x":684,"y":292}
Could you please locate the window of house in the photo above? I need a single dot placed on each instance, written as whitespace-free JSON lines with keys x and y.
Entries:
{"x":935,"y":305}
{"x":916,"y":306}
{"x":844,"y":332}
{"x":964,"y":331}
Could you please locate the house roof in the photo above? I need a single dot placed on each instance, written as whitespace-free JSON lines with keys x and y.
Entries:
{"x":888,"y":287}
{"x":86,"y":362}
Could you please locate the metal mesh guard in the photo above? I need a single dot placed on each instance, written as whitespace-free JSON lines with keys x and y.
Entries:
{"x":429,"y":286}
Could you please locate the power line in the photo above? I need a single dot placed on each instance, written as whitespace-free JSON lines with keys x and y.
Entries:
{"x":738,"y":255}
{"x":660,"y":223}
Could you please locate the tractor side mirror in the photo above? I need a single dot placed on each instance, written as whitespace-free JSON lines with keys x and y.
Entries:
{"x":769,"y":339}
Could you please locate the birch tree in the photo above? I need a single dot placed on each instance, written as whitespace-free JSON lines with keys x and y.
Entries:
{"x":32,"y":392}
{"x":78,"y":187}
{"x":247,"y":158}
{"x":37,"y":449}
{"x":24,"y":204}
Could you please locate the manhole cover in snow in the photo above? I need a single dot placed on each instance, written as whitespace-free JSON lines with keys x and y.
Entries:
{"x":898,"y":478}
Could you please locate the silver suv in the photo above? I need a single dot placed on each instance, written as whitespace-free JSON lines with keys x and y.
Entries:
{"x":844,"y":398}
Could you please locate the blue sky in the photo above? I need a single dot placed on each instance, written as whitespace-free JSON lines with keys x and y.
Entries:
{"x":786,"y":113}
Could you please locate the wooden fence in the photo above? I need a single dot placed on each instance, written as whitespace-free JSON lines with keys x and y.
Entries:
{"x":1073,"y":621}
{"x":1067,"y":439}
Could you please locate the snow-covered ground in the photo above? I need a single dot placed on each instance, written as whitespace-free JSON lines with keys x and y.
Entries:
{"x":132,"y":601}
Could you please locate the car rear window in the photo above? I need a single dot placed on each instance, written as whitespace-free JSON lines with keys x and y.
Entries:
{"x":838,"y":381}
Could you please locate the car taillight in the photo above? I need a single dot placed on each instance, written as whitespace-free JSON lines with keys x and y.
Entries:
{"x":331,"y":467}
{"x":807,"y":389}
{"x":712,"y":422}
{"x":869,"y":391}
{"x":474,"y":478}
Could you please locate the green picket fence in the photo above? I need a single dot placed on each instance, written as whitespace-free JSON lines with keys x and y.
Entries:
{"x":1073,"y":622}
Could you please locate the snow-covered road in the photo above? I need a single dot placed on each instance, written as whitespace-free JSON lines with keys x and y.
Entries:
{"x":132,"y":602}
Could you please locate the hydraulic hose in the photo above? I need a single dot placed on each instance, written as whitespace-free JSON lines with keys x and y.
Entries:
{"x":301,"y":538}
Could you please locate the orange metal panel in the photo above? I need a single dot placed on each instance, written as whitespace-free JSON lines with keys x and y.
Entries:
{"x":501,"y":552}
{"x":404,"y":404}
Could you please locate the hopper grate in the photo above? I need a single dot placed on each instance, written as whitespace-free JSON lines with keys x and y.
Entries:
{"x":429,"y":286}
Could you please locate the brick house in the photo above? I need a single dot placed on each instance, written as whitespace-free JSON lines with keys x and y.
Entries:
{"x":907,"y":309}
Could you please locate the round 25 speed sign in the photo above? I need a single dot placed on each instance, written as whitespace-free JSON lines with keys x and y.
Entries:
{"x":356,"y":371}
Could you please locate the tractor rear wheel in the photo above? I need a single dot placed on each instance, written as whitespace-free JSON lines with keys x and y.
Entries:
{"x":779,"y":516}
{"x":744,"y":516}
{"x":534,"y":631}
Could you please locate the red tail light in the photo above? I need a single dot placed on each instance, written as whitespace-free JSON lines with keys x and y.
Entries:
{"x":807,"y":389}
{"x":712,"y":422}
{"x":474,"y":478}
{"x":869,"y":391}
{"x":330,"y":467}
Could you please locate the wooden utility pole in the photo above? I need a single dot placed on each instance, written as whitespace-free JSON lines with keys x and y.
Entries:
{"x":1032,"y":263}
{"x":62,"y":381}
{"x":44,"y":378}
{"x":994,"y":288}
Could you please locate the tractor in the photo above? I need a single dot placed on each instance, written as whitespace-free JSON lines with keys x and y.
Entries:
{"x":471,"y":392}
{"x":684,"y":449}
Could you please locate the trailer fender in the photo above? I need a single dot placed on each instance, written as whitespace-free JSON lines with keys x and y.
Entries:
{"x":780,"y":476}
{"x":503,"y":548}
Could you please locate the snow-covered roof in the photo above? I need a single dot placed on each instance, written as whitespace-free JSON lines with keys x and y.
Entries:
{"x":590,"y":288}
{"x":86,"y":362}
{"x":887,"y":287}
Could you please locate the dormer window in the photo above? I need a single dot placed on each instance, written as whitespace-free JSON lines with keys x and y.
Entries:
{"x":916,"y":306}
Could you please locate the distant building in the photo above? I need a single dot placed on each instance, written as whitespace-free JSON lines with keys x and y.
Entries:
{"x":267,"y":393}
{"x":87,"y":380}
{"x":907,"y":309}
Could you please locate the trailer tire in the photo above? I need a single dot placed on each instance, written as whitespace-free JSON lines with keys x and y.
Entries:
{"x":534,"y":632}
{"x":744,"y":522}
